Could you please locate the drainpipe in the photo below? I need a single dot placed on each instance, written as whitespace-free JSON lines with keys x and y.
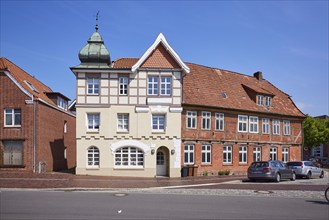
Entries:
{"x":34,"y":136}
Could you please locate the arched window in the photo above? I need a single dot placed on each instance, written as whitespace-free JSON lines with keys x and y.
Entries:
{"x":129,"y":157}
{"x":93,"y":157}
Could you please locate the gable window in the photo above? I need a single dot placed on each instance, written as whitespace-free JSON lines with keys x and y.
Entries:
{"x":123,"y":122}
{"x":266,"y":125}
{"x":93,"y":157}
{"x":93,"y":121}
{"x":129,"y":157}
{"x":158,"y":123}
{"x":206,"y":153}
{"x":268,"y":101}
{"x":123,"y":85}
{"x":191,"y":117}
{"x":273,"y":153}
{"x":166,"y":86}
{"x":276,"y":126}
{"x":253,"y":124}
{"x":13,"y":117}
{"x":227,"y":154}
{"x":93,"y":86}
{"x":206,"y":118}
{"x":219,"y":118}
{"x":188,"y":154}
{"x":257,"y":154}
{"x":243,"y":154}
{"x":260,"y":100}
{"x":153,"y":85}
{"x":12,"y":153}
{"x":243,"y":123}
{"x":62,"y":103}
{"x":286,"y":127}
{"x":285,"y":154}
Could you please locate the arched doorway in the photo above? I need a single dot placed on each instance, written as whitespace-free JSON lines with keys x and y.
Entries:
{"x":162,"y":162}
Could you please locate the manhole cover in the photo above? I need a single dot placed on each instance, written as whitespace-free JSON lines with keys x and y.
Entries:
{"x":120,"y":194}
{"x":263,"y":191}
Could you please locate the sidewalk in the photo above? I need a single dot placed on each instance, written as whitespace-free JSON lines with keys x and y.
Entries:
{"x":67,"y":180}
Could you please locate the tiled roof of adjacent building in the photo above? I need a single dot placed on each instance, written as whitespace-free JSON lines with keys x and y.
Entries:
{"x":212,"y":87}
{"x":28,"y":82}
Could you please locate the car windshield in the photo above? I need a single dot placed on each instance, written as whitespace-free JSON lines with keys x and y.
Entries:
{"x":259,"y":164}
{"x":296,"y":163}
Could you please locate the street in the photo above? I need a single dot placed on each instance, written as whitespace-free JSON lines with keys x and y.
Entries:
{"x":111,"y":205}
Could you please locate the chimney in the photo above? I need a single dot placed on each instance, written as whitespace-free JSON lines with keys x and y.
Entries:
{"x":258,"y":75}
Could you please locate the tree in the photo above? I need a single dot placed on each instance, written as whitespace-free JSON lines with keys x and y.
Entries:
{"x":316,"y":131}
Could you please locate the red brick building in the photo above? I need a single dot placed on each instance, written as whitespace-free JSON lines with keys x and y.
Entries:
{"x":230,"y":120}
{"x":37,"y":130}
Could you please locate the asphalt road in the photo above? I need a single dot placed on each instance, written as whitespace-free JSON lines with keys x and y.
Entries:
{"x":108,"y":205}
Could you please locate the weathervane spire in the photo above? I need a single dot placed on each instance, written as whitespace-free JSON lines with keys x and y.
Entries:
{"x":97,"y":21}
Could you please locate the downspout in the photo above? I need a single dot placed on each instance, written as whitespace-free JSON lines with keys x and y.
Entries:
{"x":34,"y":136}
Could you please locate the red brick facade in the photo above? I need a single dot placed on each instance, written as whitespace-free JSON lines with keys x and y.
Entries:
{"x":41,"y":131}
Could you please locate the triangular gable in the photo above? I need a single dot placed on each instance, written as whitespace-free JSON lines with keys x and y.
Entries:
{"x":156,"y":53}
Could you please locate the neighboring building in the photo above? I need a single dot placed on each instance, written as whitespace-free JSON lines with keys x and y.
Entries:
{"x":38,"y":131}
{"x":153,"y":115}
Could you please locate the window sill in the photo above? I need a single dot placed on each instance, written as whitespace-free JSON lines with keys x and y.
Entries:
{"x":92,"y":168}
{"x":158,"y":132}
{"x":123,"y":132}
{"x":129,"y":168}
{"x":12,"y":126}
{"x":206,"y":164}
{"x":227,"y":164}
{"x":92,"y":132}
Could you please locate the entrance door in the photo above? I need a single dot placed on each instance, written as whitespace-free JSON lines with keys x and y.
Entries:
{"x":161,"y":163}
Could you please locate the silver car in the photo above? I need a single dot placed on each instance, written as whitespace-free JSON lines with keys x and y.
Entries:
{"x":270,"y":170}
{"x":306,"y":169}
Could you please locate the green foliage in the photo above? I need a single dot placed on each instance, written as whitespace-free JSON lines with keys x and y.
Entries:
{"x":316,"y":131}
{"x":205,"y":173}
{"x":224,"y":172}
{"x":220,"y":173}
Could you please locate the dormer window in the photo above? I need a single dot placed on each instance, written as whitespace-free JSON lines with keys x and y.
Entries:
{"x":260,"y":99}
{"x":62,"y":103}
{"x":268,"y":101}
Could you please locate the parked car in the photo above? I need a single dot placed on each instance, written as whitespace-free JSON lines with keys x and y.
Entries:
{"x":306,"y":169}
{"x":270,"y":170}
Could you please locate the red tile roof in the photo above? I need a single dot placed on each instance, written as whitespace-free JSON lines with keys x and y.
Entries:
{"x":21,"y":77}
{"x":204,"y":86}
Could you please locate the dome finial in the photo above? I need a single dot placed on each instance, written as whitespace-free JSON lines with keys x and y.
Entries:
{"x":97,"y":22}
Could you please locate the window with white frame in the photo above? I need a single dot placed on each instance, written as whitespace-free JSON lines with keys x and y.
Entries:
{"x":12,"y":117}
{"x":191,"y":119}
{"x":286,"y":127}
{"x":123,"y":85}
{"x":219,"y":118}
{"x":257,"y":154}
{"x":153,"y":85}
{"x":93,"y":86}
{"x":165,"y":85}
{"x":243,"y":123}
{"x":93,"y":157}
{"x":285,"y":154}
{"x":273,"y":153}
{"x":276,"y":126}
{"x":268,"y":101}
{"x":260,"y":99}
{"x":158,"y":123}
{"x":188,"y":154}
{"x":227,"y":154}
{"x":266,"y":125}
{"x":12,"y":153}
{"x":243,"y":154}
{"x":253,"y":124}
{"x":206,"y":153}
{"x":206,"y":120}
{"x":123,"y":122}
{"x":93,"y":121}
{"x":62,"y":103}
{"x":129,"y":157}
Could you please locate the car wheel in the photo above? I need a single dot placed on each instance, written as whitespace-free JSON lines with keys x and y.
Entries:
{"x":293,"y":178}
{"x":322,"y":175}
{"x":277,"y":177}
{"x":309,"y":175}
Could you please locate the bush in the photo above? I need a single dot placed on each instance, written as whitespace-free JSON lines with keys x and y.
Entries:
{"x":220,"y":173}
{"x":227,"y":172}
{"x":205,"y":173}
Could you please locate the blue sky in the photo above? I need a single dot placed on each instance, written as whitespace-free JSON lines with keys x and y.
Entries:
{"x":286,"y":40}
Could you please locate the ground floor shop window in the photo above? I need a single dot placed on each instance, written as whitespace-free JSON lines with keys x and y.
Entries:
{"x":12,"y":153}
{"x":129,"y":157}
